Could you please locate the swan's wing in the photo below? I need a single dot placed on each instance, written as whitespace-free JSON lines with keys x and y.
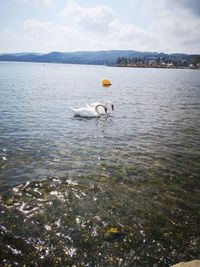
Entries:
{"x":88,"y":106}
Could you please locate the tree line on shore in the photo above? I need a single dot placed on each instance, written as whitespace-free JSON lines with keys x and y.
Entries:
{"x":166,"y":61}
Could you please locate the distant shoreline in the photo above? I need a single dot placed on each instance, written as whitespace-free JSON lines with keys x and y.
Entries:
{"x":123,"y":58}
{"x":109,"y":65}
{"x":154,"y":67}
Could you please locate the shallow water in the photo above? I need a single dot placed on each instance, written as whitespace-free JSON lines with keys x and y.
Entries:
{"x":121,"y":190}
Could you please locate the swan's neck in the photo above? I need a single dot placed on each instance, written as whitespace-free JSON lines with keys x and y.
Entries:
{"x":96,"y":108}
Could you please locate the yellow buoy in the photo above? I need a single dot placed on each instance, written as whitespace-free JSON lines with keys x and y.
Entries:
{"x":106,"y":82}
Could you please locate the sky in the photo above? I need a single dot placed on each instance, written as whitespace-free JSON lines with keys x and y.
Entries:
{"x":43,"y":26}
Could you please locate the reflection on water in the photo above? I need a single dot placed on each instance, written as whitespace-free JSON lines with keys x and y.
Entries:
{"x":119,"y":190}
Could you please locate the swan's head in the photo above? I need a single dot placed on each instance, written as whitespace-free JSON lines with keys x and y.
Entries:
{"x":109,"y":103}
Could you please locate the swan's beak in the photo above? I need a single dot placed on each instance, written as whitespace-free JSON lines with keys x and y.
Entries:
{"x":106,"y":110}
{"x":112,"y":106}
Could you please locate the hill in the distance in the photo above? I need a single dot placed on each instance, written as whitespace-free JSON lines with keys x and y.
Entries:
{"x":108,"y":57}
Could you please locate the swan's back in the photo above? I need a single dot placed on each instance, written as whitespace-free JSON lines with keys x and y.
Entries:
{"x":87,"y":111}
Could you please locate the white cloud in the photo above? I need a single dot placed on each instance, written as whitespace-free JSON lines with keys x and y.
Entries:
{"x":35,"y":25}
{"x":176,"y":31}
{"x":48,"y":36}
{"x":95,"y":18}
{"x":168,"y":31}
{"x":104,"y":30}
{"x":98,"y":28}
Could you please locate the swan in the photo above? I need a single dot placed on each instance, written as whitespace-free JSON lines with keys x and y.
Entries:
{"x":90,"y":111}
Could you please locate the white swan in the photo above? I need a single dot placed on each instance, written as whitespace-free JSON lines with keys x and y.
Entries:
{"x":90,"y":111}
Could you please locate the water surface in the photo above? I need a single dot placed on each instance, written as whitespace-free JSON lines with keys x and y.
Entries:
{"x":121,"y":190}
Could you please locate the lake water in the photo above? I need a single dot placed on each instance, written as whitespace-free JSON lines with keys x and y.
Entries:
{"x":119,"y":190}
